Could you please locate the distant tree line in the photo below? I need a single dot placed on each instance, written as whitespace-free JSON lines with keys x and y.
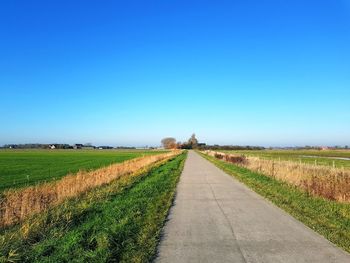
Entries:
{"x":171,"y":143}
{"x":125,"y":148}
{"x":37,"y":146}
{"x":192,"y":143}
{"x":58,"y":146}
{"x":232,"y":147}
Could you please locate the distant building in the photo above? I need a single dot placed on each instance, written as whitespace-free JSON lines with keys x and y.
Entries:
{"x":104,"y":147}
{"x":78,"y":146}
{"x":11,"y":146}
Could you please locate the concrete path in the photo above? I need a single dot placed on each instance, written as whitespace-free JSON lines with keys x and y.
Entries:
{"x":217,"y":219}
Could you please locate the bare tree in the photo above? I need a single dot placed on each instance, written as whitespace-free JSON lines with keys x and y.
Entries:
{"x":193,"y":142}
{"x":169,"y":143}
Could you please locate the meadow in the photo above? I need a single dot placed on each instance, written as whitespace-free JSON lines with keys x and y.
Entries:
{"x":319,"y":157}
{"x":19,"y":168}
{"x":320,"y":180}
{"x":117,"y":222}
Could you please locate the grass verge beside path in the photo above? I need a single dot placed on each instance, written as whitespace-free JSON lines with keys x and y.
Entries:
{"x":120,"y":222}
{"x":329,"y":218}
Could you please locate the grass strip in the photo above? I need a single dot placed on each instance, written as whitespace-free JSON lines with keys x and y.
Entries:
{"x":120,"y":222}
{"x":329,"y":218}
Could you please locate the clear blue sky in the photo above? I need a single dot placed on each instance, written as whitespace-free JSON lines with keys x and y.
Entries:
{"x":132,"y":72}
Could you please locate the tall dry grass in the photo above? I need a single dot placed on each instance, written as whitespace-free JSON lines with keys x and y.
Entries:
{"x":328,"y":182}
{"x":15,"y":205}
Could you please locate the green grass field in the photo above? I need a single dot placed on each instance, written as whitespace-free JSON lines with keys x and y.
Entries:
{"x":119,"y":222}
{"x":324,"y":157}
{"x":26,"y":167}
{"x":329,"y":218}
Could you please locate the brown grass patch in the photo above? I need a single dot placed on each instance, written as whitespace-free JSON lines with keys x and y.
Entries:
{"x":328,"y":182}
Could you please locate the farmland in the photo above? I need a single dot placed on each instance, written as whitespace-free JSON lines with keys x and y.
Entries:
{"x":319,"y":157}
{"x":120,"y":221}
{"x":19,"y":168}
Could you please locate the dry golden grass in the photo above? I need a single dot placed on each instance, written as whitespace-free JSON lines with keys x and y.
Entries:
{"x":15,"y":205}
{"x":328,"y":182}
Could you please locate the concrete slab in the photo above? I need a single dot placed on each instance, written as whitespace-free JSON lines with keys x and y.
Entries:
{"x":215,"y":218}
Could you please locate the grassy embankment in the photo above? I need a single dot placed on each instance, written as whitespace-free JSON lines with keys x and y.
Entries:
{"x":18,"y":204}
{"x":120,"y":222}
{"x":322,"y":157}
{"x":329,"y":218}
{"x":319,"y":180}
{"x":19,"y":168}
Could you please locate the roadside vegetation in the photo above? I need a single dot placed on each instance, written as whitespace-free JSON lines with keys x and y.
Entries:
{"x":118,"y":222}
{"x":327,"y":217}
{"x":20,"y":168}
{"x":17,"y":204}
{"x":328,"y":182}
{"x":318,"y":157}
